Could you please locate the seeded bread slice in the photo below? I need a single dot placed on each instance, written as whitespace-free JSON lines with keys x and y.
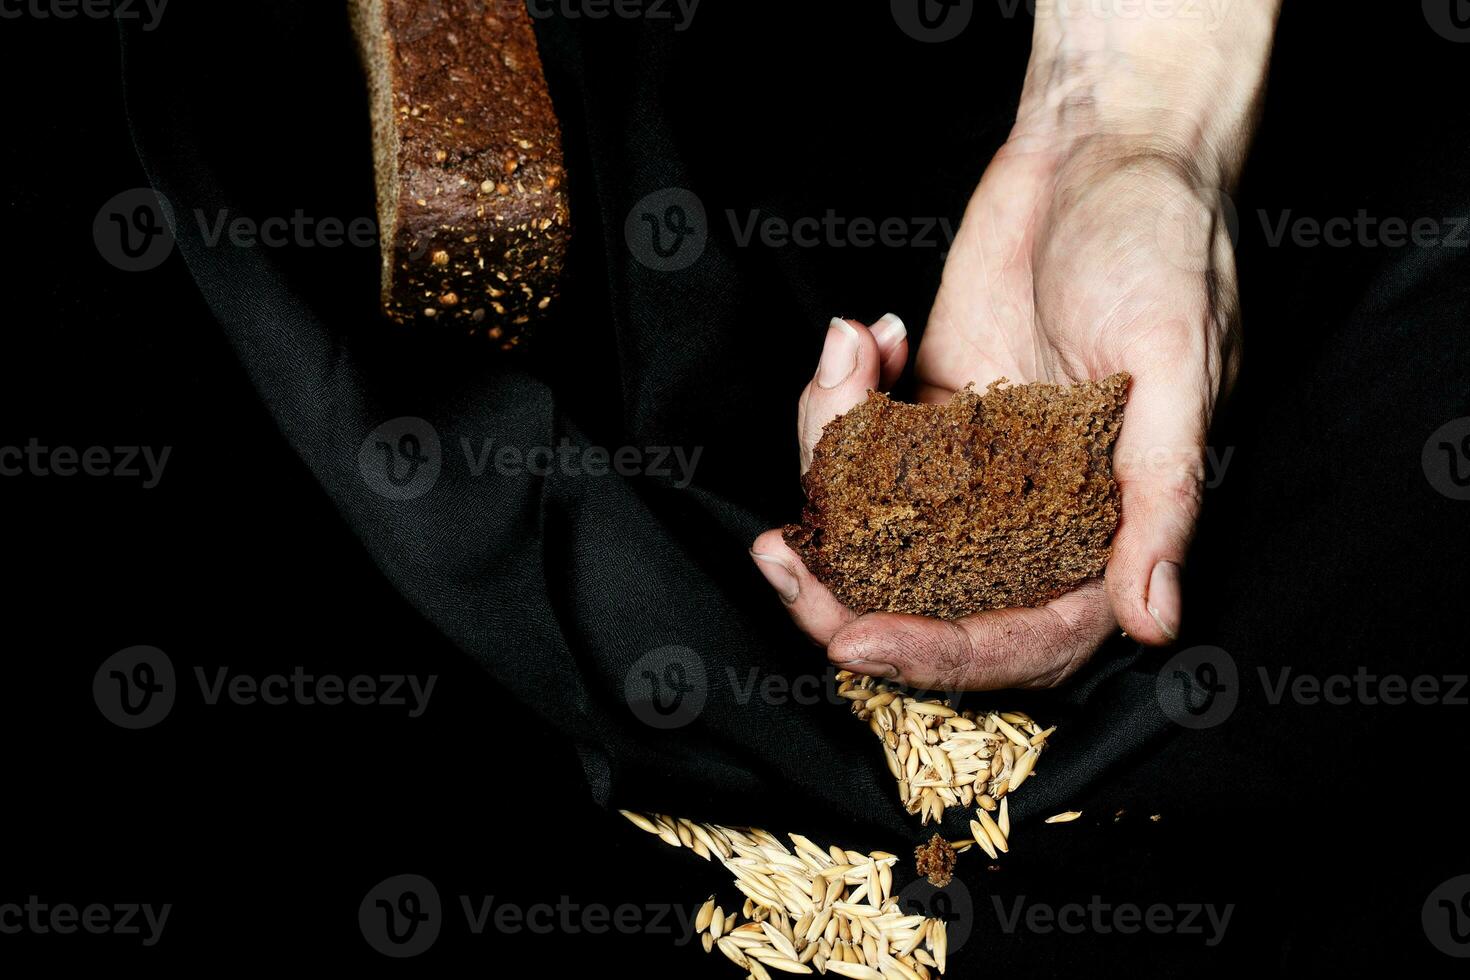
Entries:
{"x":1005,"y":499}
{"x":472,"y":204}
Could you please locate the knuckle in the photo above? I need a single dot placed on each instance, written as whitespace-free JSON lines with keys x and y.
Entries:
{"x":953,"y":658}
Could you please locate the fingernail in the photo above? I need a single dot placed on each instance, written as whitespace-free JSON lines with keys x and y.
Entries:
{"x":839,"y":355}
{"x":779,"y":576}
{"x":889,"y":332}
{"x":1164,"y":600}
{"x":869,"y":668}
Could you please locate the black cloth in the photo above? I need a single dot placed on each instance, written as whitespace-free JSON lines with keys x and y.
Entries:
{"x":1324,"y":546}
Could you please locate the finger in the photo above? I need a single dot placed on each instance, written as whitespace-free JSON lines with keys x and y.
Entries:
{"x":893,"y":348}
{"x":933,"y":394}
{"x":1159,"y":466}
{"x":816,"y":611}
{"x":850,"y":366}
{"x":1004,"y":648}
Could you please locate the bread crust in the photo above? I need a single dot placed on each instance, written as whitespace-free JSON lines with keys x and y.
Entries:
{"x":985,"y":502}
{"x":471,"y":179}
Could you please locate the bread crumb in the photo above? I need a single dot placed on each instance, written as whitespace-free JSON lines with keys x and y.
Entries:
{"x":984,"y":502}
{"x":935,"y":861}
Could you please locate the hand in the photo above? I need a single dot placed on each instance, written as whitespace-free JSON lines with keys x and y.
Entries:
{"x":1095,"y":243}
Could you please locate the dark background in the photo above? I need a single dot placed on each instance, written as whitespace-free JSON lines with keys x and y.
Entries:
{"x":1325,"y":548}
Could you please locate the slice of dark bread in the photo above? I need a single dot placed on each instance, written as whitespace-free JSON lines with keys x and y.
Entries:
{"x":472,"y":204}
{"x":983,"y":502}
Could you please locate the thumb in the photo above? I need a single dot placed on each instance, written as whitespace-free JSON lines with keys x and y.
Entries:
{"x":1159,"y":466}
{"x":854,"y":361}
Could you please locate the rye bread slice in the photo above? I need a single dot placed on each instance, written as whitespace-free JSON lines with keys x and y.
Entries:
{"x":472,"y":204}
{"x":984,"y":502}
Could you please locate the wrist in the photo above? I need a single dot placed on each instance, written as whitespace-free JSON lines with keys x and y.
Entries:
{"x":1173,"y":78}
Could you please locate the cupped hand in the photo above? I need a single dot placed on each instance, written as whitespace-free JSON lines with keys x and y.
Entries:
{"x":1077,"y":258}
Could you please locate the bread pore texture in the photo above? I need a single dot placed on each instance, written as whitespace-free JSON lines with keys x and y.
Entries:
{"x":983,"y":502}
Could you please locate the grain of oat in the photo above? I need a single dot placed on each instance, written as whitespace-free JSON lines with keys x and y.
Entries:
{"x":808,"y":908}
{"x":942,"y":757}
{"x":832,"y":910}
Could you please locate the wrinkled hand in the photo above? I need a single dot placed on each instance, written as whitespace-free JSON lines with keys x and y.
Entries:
{"x":1086,"y":250}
